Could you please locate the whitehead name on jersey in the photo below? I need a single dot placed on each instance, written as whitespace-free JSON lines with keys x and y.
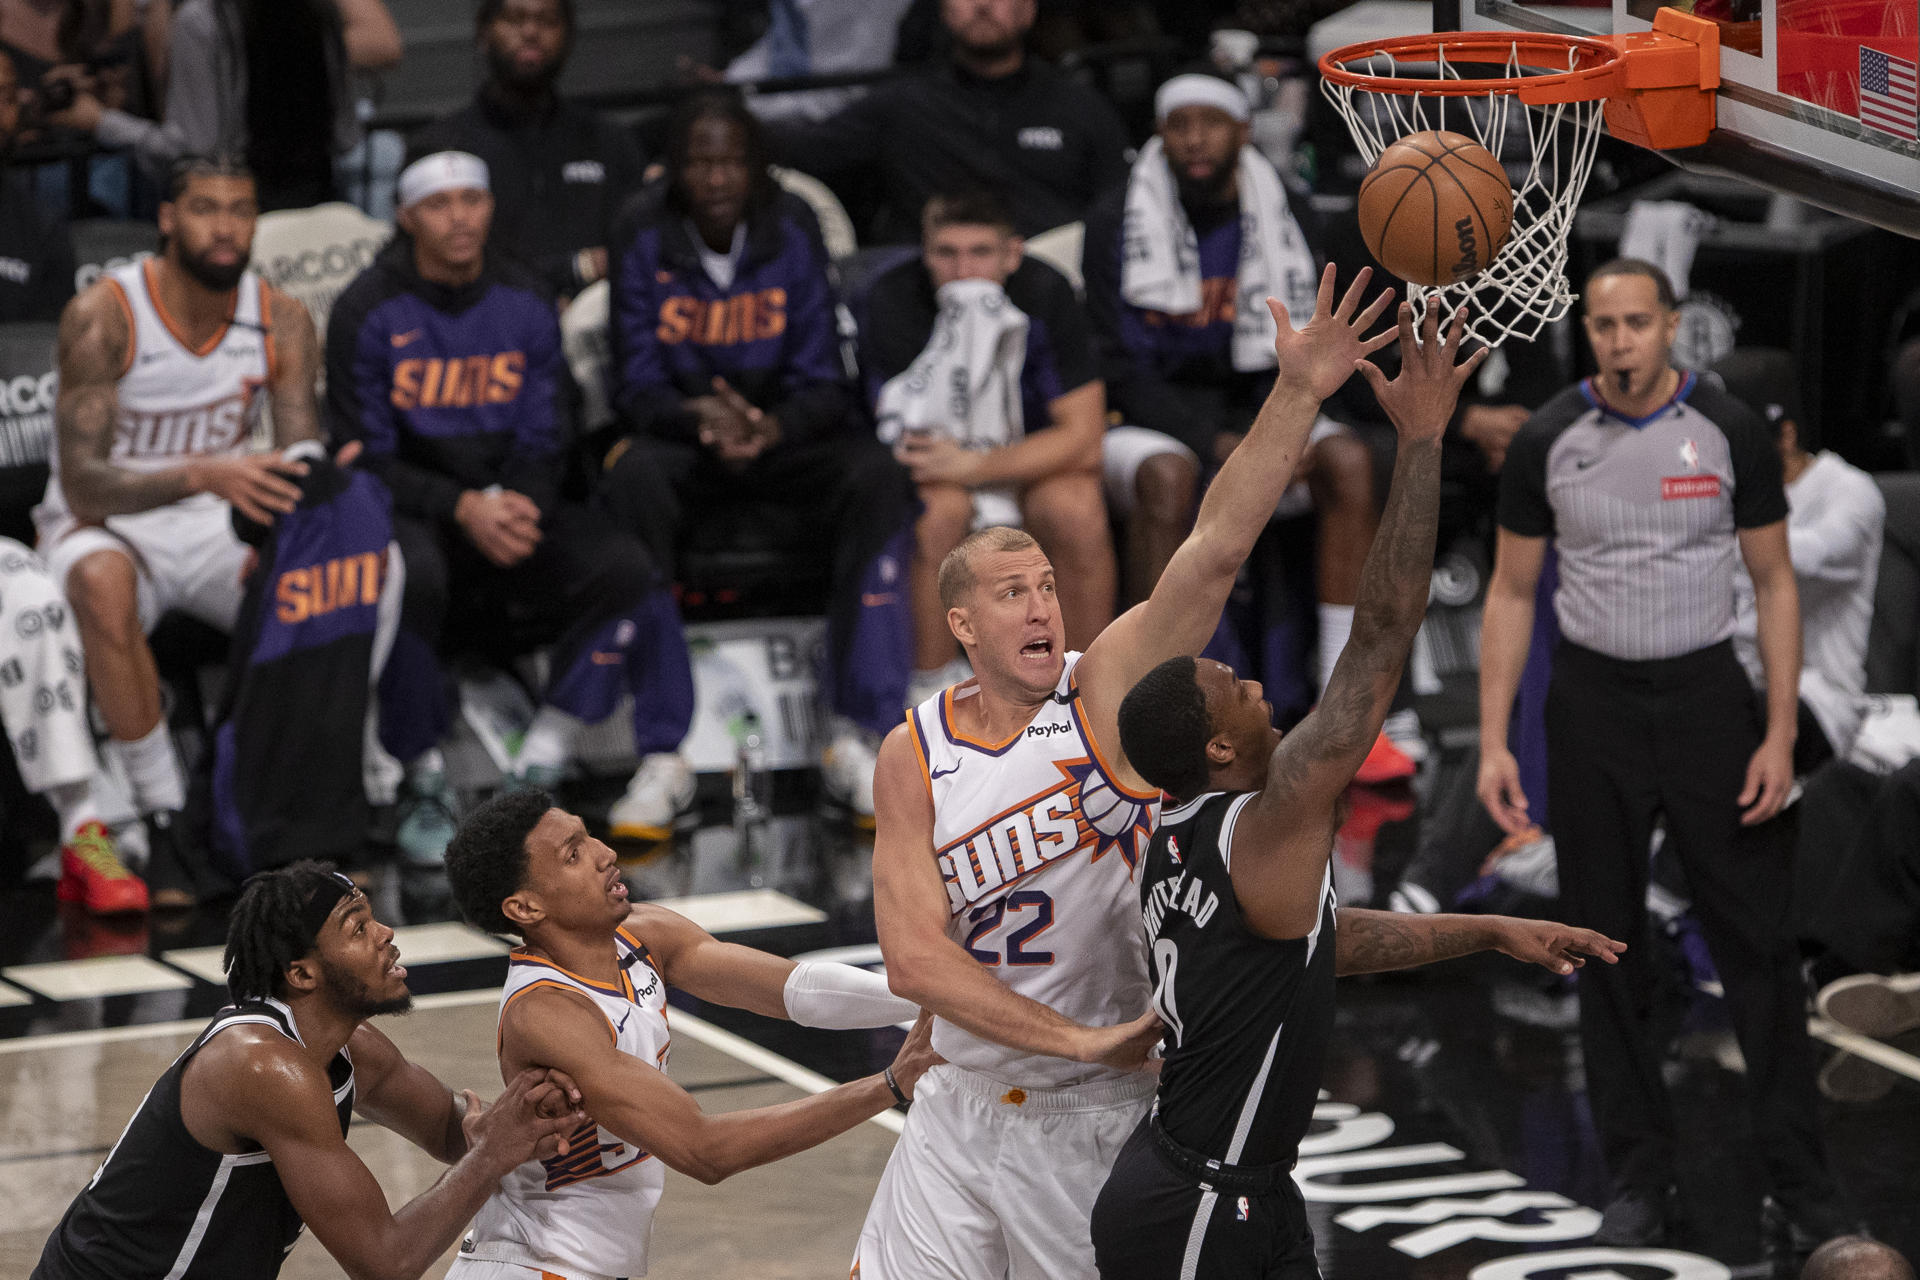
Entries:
{"x":1036,"y":843}
{"x":592,"y":1209}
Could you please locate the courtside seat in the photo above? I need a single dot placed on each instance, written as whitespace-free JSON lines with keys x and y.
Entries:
{"x":28,"y":381}
{"x":314,"y":254}
{"x":100,"y":244}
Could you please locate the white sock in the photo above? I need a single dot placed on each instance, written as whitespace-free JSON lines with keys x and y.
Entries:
{"x":152,"y":771}
{"x":548,"y":742}
{"x":427,"y":763}
{"x":1336,"y":625}
{"x":73,"y":803}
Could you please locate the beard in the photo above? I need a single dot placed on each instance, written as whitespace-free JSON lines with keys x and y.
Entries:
{"x":1206,"y":193}
{"x":218,"y":277}
{"x":353,"y":997}
{"x":506,"y":71}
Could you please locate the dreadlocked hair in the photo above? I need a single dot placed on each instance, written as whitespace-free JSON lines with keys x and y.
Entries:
{"x":266,"y":932}
{"x":487,"y":859}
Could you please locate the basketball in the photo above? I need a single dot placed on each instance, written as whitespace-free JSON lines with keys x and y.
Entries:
{"x":1436,"y":208}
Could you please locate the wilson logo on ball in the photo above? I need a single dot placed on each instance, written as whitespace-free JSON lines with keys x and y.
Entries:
{"x":1436,"y":208}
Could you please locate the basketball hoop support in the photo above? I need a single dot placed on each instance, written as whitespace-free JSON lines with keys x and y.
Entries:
{"x":1660,"y":95}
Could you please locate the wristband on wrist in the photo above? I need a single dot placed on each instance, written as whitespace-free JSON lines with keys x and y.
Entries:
{"x":899,"y":1097}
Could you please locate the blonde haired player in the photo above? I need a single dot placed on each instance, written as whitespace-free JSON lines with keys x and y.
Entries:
{"x":1009,"y":826}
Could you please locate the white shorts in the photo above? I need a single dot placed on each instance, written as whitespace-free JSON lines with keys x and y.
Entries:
{"x":1124,"y":449}
{"x":185,"y":556}
{"x":468,"y":1268}
{"x":981,"y":1187}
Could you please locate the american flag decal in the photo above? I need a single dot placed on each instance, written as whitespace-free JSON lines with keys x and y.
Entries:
{"x":1888,"y":100}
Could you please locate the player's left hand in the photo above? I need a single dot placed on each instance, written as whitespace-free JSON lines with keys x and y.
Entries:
{"x":1769,"y":779}
{"x":936,"y":459}
{"x":1559,"y":947}
{"x":1421,"y":399}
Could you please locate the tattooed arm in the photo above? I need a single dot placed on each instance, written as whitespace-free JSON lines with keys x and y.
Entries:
{"x":1282,"y":836}
{"x":296,"y":364}
{"x":1376,"y":941}
{"x":95,"y":345}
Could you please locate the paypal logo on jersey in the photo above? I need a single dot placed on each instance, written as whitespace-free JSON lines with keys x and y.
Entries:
{"x":1047,"y":730}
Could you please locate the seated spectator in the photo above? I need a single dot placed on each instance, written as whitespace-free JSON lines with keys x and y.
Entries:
{"x":36,"y":260}
{"x":983,"y":377}
{"x":1856,"y":1258}
{"x":447,"y":365}
{"x":1178,"y":302}
{"x":43,"y":708}
{"x":217,"y":48}
{"x":989,"y":116}
{"x":162,"y":365}
{"x":1834,"y":521}
{"x":560,"y":173}
{"x":728,"y":377}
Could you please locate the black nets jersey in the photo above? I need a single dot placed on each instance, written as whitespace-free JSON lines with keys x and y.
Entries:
{"x":163,"y":1207}
{"x":1247,"y":1017}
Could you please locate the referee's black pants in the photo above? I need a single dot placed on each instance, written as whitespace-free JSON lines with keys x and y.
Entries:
{"x":1626,"y":743}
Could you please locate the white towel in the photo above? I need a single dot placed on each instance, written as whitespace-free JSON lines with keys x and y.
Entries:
{"x":1666,"y":233}
{"x":966,"y":384}
{"x":1160,"y":264}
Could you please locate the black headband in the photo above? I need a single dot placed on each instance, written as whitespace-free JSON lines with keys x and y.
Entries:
{"x":326,"y":896}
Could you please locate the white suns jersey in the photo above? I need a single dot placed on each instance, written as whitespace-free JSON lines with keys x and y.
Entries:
{"x":592,"y":1209}
{"x":174,"y":402}
{"x":1037,"y":844}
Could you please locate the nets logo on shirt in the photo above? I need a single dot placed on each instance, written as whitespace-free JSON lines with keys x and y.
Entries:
{"x":459,"y":382}
{"x":723,"y":322}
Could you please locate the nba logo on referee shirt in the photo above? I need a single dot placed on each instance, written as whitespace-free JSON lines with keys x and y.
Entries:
{"x":1690,"y":454}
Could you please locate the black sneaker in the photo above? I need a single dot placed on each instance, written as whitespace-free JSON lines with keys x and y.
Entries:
{"x":1637,"y":1219}
{"x":1790,"y":1233}
{"x":169,"y":880}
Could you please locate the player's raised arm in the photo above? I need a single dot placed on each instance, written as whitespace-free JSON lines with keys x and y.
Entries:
{"x":927,"y":967}
{"x":1282,"y":837}
{"x":813,"y":993}
{"x":638,"y":1103}
{"x":1180,"y":616}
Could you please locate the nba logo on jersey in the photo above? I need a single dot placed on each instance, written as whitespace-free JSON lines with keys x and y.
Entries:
{"x":1240,"y":1210}
{"x":1173,"y":849}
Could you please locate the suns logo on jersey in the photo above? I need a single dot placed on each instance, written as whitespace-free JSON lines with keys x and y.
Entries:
{"x":219,"y":427}
{"x":723,"y":322}
{"x":1082,"y":810}
{"x":430,"y":382}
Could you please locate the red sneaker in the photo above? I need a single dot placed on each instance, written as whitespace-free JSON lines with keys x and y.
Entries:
{"x":92,"y":874}
{"x":1385,"y":763}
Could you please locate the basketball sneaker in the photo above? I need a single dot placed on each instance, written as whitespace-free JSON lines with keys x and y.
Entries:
{"x":426,"y":819}
{"x":1385,"y":763}
{"x":846,"y":772}
{"x":1873,"y":1004}
{"x":662,"y":789}
{"x":92,"y":874}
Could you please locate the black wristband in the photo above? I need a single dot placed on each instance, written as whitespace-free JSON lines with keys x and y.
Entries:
{"x":894,"y":1085}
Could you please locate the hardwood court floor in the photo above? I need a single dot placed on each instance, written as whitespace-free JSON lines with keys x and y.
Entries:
{"x":65,"y":1104}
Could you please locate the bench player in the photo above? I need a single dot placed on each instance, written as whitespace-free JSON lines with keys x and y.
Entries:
{"x":587,"y":995}
{"x":1009,"y":828}
{"x":1239,"y":904}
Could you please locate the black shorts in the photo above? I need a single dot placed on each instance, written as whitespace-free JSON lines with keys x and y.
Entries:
{"x":1154,"y":1221}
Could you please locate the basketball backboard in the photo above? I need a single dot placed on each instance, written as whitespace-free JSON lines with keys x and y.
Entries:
{"x":1817,"y":97}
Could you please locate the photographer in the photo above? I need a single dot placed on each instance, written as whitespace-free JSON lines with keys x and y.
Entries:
{"x":216,"y":49}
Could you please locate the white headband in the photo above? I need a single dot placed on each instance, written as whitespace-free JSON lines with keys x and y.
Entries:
{"x":441,"y":171}
{"x":1195,"y":90}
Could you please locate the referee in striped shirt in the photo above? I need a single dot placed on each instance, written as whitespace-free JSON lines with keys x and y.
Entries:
{"x":1652,"y":485}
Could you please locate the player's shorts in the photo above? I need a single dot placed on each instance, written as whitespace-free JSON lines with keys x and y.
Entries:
{"x":466,"y":1268}
{"x":185,"y":556}
{"x":990,"y":1182}
{"x":1157,"y":1221}
{"x":1123,"y":450}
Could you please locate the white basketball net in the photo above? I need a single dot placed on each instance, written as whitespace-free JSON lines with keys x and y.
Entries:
{"x":1524,"y":288}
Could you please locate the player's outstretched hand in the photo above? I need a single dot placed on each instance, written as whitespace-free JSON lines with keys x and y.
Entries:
{"x":513,"y":1130}
{"x":1420,"y":400}
{"x":1126,"y":1045}
{"x":1320,"y":355}
{"x":916,"y":1056}
{"x":1559,"y":947}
